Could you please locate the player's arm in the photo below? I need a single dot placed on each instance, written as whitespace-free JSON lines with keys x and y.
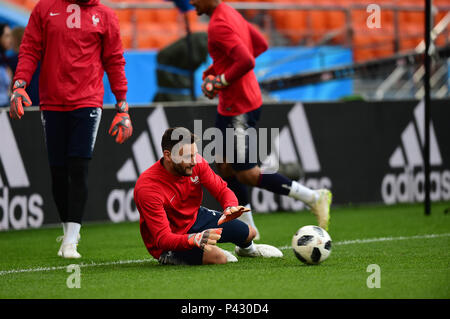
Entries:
{"x":114,"y":65}
{"x":29,"y":55}
{"x":259,"y":43}
{"x":150,"y":206}
{"x":218,"y":188}
{"x":215,"y":185}
{"x":243,"y":61}
{"x":30,"y":51}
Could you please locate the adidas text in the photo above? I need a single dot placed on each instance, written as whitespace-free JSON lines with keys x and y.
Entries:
{"x":20,"y":211}
{"x":408,"y":187}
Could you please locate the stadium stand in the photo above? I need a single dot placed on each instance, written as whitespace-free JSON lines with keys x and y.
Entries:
{"x":317,"y":22}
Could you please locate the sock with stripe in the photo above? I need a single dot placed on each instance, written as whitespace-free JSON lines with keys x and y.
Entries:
{"x":282,"y":185}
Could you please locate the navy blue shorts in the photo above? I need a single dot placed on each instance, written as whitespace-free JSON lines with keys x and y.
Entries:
{"x":70,"y":134}
{"x":241,"y":160}
{"x":234,"y":231}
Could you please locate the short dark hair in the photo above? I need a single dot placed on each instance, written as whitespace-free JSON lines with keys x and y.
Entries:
{"x":174,"y":135}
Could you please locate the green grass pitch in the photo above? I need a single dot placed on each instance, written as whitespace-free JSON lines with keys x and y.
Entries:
{"x":412,"y":251}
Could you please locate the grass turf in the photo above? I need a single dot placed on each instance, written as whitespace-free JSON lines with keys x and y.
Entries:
{"x":410,"y":268}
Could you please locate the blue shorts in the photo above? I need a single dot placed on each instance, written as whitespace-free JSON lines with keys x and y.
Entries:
{"x":234,"y":231}
{"x":241,"y":160}
{"x":70,"y":134}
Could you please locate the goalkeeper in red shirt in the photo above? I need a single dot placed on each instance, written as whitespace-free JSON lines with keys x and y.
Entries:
{"x":174,"y":227}
{"x":76,"y":42}
{"x":233,"y":44}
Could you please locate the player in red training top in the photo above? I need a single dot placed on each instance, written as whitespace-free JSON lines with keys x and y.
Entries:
{"x":174,"y":227}
{"x":76,"y":41}
{"x":233,"y":44}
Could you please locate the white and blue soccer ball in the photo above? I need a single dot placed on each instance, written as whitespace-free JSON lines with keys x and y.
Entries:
{"x":311,"y":244}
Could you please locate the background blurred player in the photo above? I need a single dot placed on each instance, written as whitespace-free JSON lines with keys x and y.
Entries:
{"x":233,"y":44}
{"x":5,"y":71}
{"x":32,"y":88}
{"x":76,"y":42}
{"x":174,"y":227}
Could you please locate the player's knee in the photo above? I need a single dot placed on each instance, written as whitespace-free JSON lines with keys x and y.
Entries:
{"x":249,"y":177}
{"x":225,"y":170}
{"x":251,"y":233}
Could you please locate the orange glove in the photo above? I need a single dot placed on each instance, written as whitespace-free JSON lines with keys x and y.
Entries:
{"x":212,"y":84}
{"x":121,"y":126}
{"x":231,"y":213}
{"x":206,"y":238}
{"x":208,"y":71}
{"x":18,"y":99}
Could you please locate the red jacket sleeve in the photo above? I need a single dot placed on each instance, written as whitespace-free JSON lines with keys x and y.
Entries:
{"x":243,"y":62}
{"x":216,"y":186}
{"x":30,"y":51}
{"x":150,"y":206}
{"x":259,"y":44}
{"x":112,"y":58}
{"x":230,"y":43}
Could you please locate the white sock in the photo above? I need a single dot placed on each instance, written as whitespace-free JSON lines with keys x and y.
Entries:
{"x":64,"y":228}
{"x":72,"y":231}
{"x":305,"y":194}
{"x":249,"y":249}
{"x":248,"y":217}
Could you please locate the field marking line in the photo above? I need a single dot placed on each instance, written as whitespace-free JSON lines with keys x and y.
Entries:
{"x":92,"y":264}
{"x":139,"y":261}
{"x":380,"y":239}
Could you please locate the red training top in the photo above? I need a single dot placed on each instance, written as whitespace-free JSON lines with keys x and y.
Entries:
{"x":233,"y":44}
{"x":76,"y":43}
{"x":168,"y":204}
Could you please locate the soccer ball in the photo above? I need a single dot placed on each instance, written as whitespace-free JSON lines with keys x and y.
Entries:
{"x":311,"y":244}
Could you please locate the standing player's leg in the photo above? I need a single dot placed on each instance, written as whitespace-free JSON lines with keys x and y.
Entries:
{"x":249,"y":173}
{"x":55,"y":126}
{"x":227,"y":172}
{"x":241,"y":192}
{"x":318,"y":200}
{"x":83,"y":126}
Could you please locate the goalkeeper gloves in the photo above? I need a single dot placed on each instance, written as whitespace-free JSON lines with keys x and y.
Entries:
{"x":231,"y":213}
{"x":18,"y":99}
{"x":121,"y":125}
{"x":212,"y":84}
{"x":205,"y":238}
{"x":208,"y":71}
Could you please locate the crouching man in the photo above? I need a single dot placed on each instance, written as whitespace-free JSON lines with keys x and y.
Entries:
{"x":174,"y":227}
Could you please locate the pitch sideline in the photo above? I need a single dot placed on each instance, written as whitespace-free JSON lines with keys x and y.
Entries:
{"x":139,"y":261}
{"x":380,"y":239}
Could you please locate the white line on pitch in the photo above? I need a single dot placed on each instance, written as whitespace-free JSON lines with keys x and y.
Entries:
{"x":380,"y":239}
{"x":120,"y":262}
{"x":138,"y":261}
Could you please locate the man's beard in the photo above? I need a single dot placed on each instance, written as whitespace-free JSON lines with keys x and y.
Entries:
{"x":181,"y":171}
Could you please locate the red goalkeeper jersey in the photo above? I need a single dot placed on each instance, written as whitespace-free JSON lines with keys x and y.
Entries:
{"x":168,"y":204}
{"x":76,"y":42}
{"x":233,"y":44}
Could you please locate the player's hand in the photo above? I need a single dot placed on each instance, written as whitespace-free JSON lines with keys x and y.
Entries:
{"x":208,"y":71}
{"x":19,"y":98}
{"x":231,"y":213}
{"x":206,"y":238}
{"x":212,"y":84}
{"x":121,"y":126}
